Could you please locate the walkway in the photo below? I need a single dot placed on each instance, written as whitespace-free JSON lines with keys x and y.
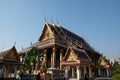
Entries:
{"x":97,"y":78}
{"x":72,"y":79}
{"x":103,"y":78}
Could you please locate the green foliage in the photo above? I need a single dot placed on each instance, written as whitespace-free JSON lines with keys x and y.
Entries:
{"x":117,"y":69}
{"x":30,"y":58}
{"x":116,"y":77}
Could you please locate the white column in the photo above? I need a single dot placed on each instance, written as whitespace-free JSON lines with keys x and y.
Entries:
{"x":4,"y":71}
{"x":54,"y":57}
{"x":15,"y":71}
{"x":21,"y":59}
{"x":84,"y":70}
{"x":51,"y":59}
{"x":78,"y":73}
{"x":99,"y":71}
{"x":90,"y":73}
{"x":45,"y":57}
{"x":73,"y":73}
{"x":107,"y":71}
{"x":66,"y":73}
{"x":61,"y":57}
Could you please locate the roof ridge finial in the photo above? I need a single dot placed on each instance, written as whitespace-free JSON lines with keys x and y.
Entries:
{"x":45,"y":19}
{"x":52,"y":20}
{"x":14,"y":43}
{"x":22,"y":47}
{"x":57,"y":22}
{"x":31,"y":43}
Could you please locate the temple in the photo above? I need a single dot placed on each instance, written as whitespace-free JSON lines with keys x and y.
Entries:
{"x":9,"y":62}
{"x":68,"y":52}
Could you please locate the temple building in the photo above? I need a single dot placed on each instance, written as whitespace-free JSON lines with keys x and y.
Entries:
{"x":69,"y":52}
{"x":9,"y":62}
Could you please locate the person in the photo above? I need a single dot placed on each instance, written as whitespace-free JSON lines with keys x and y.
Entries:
{"x":38,"y":76}
{"x":41,"y":76}
{"x":52,"y":76}
{"x":86,"y":77}
{"x":21,"y":75}
{"x":44,"y":75}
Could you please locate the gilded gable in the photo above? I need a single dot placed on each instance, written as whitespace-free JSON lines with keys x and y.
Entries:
{"x":102,"y":62}
{"x":11,"y":56}
{"x":47,"y":33}
{"x":72,"y":56}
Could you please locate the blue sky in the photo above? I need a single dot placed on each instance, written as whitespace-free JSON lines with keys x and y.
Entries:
{"x":97,"y":21}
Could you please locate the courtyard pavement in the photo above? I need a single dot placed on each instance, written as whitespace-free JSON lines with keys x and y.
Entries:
{"x":97,"y":78}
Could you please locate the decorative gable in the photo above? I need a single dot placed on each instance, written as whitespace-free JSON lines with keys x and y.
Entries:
{"x":11,"y":55}
{"x":75,"y":57}
{"x":46,"y":33}
{"x":102,"y":62}
{"x":72,"y":56}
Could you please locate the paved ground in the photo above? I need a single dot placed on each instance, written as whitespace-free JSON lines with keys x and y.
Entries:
{"x":72,"y":79}
{"x":103,"y":78}
{"x":100,"y":78}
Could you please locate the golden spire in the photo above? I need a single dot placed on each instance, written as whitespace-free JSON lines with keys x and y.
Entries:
{"x":81,"y":45}
{"x":76,"y":43}
{"x":14,"y":43}
{"x":71,"y":42}
{"x":22,"y":47}
{"x":65,"y":37}
{"x":57,"y":22}
{"x":31,"y":43}
{"x":52,"y":21}
{"x":45,"y":19}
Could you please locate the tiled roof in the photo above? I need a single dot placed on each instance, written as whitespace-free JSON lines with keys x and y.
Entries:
{"x":60,"y":33}
{"x":5,"y":52}
{"x":83,"y":58}
{"x":81,"y":54}
{"x":70,"y":35}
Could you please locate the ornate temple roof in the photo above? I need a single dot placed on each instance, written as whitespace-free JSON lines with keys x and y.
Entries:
{"x":75,"y":57}
{"x":103,"y":63}
{"x":60,"y":36}
{"x":9,"y":55}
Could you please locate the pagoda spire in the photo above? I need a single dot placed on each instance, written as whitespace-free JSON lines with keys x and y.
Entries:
{"x":57,"y":22}
{"x":52,"y":21}
{"x":31,"y":43}
{"x":45,"y":19}
{"x":22,"y":47}
{"x":14,"y":43}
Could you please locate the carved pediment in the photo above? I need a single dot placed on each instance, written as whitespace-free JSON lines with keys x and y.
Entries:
{"x":46,"y":33}
{"x":102,"y":62}
{"x":72,"y":56}
{"x":10,"y":57}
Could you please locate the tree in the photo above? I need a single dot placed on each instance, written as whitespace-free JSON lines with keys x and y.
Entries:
{"x":116,"y":68}
{"x":32,"y":57}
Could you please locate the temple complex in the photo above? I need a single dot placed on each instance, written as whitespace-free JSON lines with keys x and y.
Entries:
{"x":69,"y":53}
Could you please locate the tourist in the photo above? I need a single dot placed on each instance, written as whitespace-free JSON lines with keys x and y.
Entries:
{"x":86,"y":77}
{"x":38,"y":76}
{"x":52,"y":76}
{"x":42,"y":76}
